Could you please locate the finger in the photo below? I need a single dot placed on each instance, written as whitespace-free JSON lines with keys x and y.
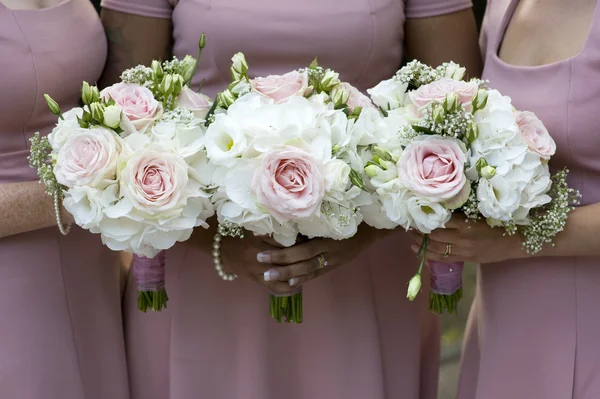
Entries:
{"x":291,"y":255}
{"x":271,"y":241}
{"x":297,"y":269}
{"x":445,"y":236}
{"x":439,"y":257}
{"x":299,"y":281}
{"x":457,"y":223}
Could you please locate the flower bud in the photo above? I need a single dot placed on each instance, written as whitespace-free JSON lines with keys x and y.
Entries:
{"x":112,"y":116}
{"x":87,"y":116}
{"x":439,"y":114}
{"x":202,"y":42}
{"x":314,"y":64}
{"x":372,"y":170}
{"x":382,"y":154}
{"x":53,"y":105}
{"x":481,"y":163}
{"x":414,"y":286}
{"x":97,"y":111}
{"x":95,"y":93}
{"x":83,"y":124}
{"x":472,"y":133}
{"x":480,"y":100}
{"x":166,"y":85}
{"x":86,"y":93}
{"x":239,"y":67}
{"x":329,"y":80}
{"x":239,"y":87}
{"x":451,"y":102}
{"x":226,"y":98}
{"x":177,"y":84}
{"x":188,"y":67}
{"x":340,"y":96}
{"x":157,"y":69}
{"x":454,"y":71}
{"x":335,"y":149}
{"x":487,"y":172}
{"x":357,"y":180}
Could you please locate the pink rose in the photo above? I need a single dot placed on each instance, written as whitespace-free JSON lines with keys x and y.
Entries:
{"x":535,"y":134}
{"x":140,"y":108}
{"x":433,"y":167}
{"x":88,"y":158}
{"x":198,"y":103}
{"x":438,"y":90}
{"x":356,"y":99}
{"x":289,"y":184}
{"x":280,"y":88}
{"x":155,"y":182}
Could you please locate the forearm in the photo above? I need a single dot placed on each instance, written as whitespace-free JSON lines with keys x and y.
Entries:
{"x":581,"y":236}
{"x":25,"y":207}
{"x":451,"y":37}
{"x":133,"y":40}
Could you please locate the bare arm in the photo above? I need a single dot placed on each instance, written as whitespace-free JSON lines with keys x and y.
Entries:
{"x":133,"y":40}
{"x":26,"y":207}
{"x":450,"y":37}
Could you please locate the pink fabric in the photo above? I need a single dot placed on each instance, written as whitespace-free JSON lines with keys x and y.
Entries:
{"x":361,"y":338}
{"x":534,"y":328}
{"x":61,"y":334}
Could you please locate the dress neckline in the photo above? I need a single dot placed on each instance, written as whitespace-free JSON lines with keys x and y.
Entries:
{"x":61,"y":4}
{"x":507,"y":17}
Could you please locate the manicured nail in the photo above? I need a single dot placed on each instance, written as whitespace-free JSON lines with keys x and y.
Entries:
{"x":264,"y":257}
{"x":293,"y":281}
{"x":271,"y":275}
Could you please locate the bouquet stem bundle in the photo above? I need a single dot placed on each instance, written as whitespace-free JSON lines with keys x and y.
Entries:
{"x":286,"y":307}
{"x":149,"y":275}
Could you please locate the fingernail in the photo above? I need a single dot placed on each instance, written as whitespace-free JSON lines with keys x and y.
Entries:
{"x":264,"y":257}
{"x":293,"y":281}
{"x":271,"y":275}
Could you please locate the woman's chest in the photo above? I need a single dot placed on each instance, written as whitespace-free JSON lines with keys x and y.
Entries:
{"x":279,"y":35}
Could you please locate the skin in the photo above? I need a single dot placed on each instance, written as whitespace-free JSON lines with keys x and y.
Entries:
{"x":25,"y":206}
{"x":554,"y":31}
{"x":134,"y":40}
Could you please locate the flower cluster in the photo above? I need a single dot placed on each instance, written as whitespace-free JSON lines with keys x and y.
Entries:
{"x":131,"y":163}
{"x":286,"y":153}
{"x":460,"y":146}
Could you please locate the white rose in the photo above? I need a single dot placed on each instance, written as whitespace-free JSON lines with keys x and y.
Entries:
{"x":396,"y":209}
{"x":388,"y":94}
{"x":112,"y":116}
{"x":86,"y":206}
{"x":336,"y":173}
{"x":185,"y":139}
{"x":498,"y":198}
{"x":426,"y":215}
{"x":225,"y":140}
{"x":337,"y":222}
{"x":89,"y":158}
{"x":64,"y":128}
{"x":375,"y":215}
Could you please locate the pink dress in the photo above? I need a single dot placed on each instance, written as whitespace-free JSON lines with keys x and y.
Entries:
{"x":61,"y":334}
{"x":361,"y":338}
{"x":535,"y":326}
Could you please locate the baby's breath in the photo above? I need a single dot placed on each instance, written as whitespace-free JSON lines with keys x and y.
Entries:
{"x":141,"y":75}
{"x":454,"y":123}
{"x":417,"y":74}
{"x":549,"y":220}
{"x":40,"y":160}
{"x":471,"y":207}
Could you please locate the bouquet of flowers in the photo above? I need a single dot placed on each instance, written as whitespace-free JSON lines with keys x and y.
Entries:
{"x":131,"y":166}
{"x":462,"y":147}
{"x":287,"y":156}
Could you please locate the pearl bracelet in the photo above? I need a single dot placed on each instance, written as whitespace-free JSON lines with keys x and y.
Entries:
{"x":64,"y":230}
{"x":217,"y":258}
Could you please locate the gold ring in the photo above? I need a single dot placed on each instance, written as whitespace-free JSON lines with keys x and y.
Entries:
{"x":448,"y":251}
{"x":322,"y":261}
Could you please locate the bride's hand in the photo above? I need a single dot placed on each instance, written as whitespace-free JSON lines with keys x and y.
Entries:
{"x":240,"y":256}
{"x":474,"y":241}
{"x":308,"y":260}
